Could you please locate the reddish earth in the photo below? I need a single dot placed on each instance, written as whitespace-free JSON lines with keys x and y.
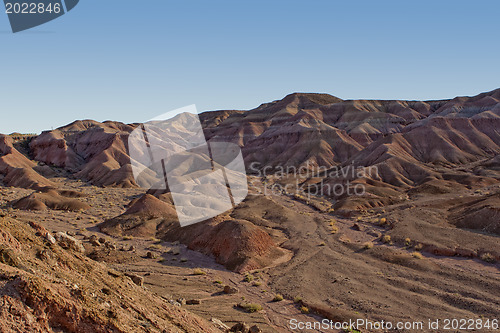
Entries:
{"x":420,"y":242}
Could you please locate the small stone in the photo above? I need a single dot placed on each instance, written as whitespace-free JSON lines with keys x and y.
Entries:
{"x":230,"y":290}
{"x":240,"y":327}
{"x":69,"y":242}
{"x":150,"y":255}
{"x":374,"y":233}
{"x":110,"y":245}
{"x":50,"y":238}
{"x":8,"y":257}
{"x":138,"y":280}
{"x":102,"y":240}
{"x":131,"y":248}
{"x":182,"y":301}
{"x":220,"y":325}
{"x":113,"y":273}
{"x":255,"y":329}
{"x":193,"y":302}
{"x":358,"y":227}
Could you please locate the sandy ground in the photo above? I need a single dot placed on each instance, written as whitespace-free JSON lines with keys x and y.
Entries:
{"x":332,"y":271}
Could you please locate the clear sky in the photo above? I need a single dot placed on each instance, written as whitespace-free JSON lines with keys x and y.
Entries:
{"x":133,"y":60}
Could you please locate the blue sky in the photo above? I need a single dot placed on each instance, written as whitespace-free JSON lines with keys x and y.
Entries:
{"x":133,"y":60}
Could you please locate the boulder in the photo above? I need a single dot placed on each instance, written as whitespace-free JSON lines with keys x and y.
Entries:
{"x":231,"y":290}
{"x":193,"y":301}
{"x":240,"y":327}
{"x":255,"y":329}
{"x":68,"y":242}
{"x":220,"y":325}
{"x":138,"y":280}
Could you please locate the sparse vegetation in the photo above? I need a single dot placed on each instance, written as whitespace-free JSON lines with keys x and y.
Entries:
{"x":368,"y":245}
{"x":334,"y":230}
{"x":488,"y":257}
{"x":351,"y":330}
{"x":277,"y":298}
{"x":256,"y":283}
{"x":251,"y":307}
{"x":386,"y":239}
{"x":156,"y":247}
{"x":199,"y":271}
{"x":419,"y":247}
{"x":184,"y":260}
{"x":304,"y":309}
{"x":322,"y":244}
{"x":249,"y":277}
{"x":297,"y":299}
{"x":382,"y":221}
{"x":417,"y":255}
{"x":407,"y":241}
{"x":218,"y":282}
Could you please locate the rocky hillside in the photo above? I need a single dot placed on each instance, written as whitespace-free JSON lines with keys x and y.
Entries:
{"x":49,"y":285}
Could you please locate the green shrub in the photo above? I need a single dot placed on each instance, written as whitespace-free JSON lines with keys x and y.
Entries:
{"x":368,"y":245}
{"x":488,"y":257}
{"x":251,"y":307}
{"x":417,"y":255}
{"x":198,"y":271}
{"x":248,"y":277}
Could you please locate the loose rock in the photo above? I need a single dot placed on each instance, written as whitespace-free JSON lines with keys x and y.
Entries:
{"x":231,"y":290}
{"x":69,"y":242}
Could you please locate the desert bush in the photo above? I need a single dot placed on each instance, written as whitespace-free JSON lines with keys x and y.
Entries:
{"x":156,"y":247}
{"x":257,"y":283}
{"x":251,"y":307}
{"x":382,"y":221}
{"x":218,"y":282}
{"x":304,"y":309}
{"x":297,"y":299}
{"x":368,"y":245}
{"x":322,"y":244}
{"x":419,"y":247}
{"x":407,"y":241}
{"x":386,"y":239}
{"x":334,"y":230}
{"x":248,"y":277}
{"x":199,"y":271}
{"x":417,"y":255}
{"x":277,"y":298}
{"x":488,"y":257}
